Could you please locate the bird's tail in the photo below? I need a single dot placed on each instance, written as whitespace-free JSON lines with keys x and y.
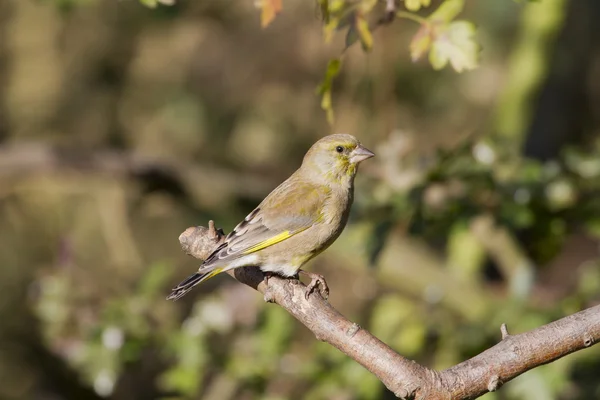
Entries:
{"x":181,"y":290}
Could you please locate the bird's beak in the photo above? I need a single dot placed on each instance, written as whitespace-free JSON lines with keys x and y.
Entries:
{"x":360,"y":153}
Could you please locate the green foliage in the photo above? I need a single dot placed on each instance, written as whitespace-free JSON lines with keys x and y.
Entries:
{"x":442,"y":247}
{"x":156,"y":3}
{"x":448,"y":41}
{"x":326,"y":87}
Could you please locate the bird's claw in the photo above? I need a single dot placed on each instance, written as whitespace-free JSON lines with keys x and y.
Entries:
{"x":316,"y":280}
{"x":267,"y":275}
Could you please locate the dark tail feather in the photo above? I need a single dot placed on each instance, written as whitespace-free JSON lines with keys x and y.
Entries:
{"x":188,"y":284}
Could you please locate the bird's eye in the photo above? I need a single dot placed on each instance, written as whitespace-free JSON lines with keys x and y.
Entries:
{"x":339,"y":149}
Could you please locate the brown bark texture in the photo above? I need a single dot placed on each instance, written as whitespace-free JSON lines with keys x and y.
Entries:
{"x":512,"y":356}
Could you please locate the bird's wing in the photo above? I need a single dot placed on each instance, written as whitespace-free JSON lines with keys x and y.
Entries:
{"x":291,"y":208}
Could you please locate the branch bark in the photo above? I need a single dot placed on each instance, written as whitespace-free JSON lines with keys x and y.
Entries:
{"x":512,"y":356}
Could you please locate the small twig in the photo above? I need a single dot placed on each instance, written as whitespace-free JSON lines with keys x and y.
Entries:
{"x":390,"y":12}
{"x":504,"y":331}
{"x":410,"y":16}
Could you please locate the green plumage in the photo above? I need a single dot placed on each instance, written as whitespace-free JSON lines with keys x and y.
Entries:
{"x":298,"y":220}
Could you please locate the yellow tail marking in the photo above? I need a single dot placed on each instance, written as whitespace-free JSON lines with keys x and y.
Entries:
{"x":212,"y":273}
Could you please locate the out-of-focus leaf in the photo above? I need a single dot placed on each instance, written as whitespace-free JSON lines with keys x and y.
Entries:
{"x":415,"y":5}
{"x":421,"y":42}
{"x":395,"y":320}
{"x":354,"y":16}
{"x":465,"y":252}
{"x":593,"y":227}
{"x":446,"y":41}
{"x":351,"y":35}
{"x":269,"y":10}
{"x":589,"y":279}
{"x":150,"y":3}
{"x":155,"y":3}
{"x":362,"y":27}
{"x":324,"y":89}
{"x":455,"y":45}
{"x":411,"y":338}
{"x":541,"y":383}
{"x":364,"y":384}
{"x":561,"y":194}
{"x":339,"y":15}
{"x":365,"y":6}
{"x":447,"y":11}
{"x":276,"y":333}
{"x":324,"y":5}
{"x":181,"y":378}
{"x":154,"y":279}
{"x":336,"y":6}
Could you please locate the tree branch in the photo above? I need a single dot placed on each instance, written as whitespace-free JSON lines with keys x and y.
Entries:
{"x":514,"y":355}
{"x":175,"y":176}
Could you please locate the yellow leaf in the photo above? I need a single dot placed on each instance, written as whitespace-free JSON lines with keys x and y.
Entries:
{"x":455,"y":44}
{"x":415,"y":5}
{"x":336,"y":6}
{"x":324,"y":89}
{"x":362,"y":26}
{"x":447,"y":11}
{"x":366,"y":6}
{"x":329,"y":28}
{"x":421,"y":42}
{"x":326,"y":105}
{"x":269,"y":10}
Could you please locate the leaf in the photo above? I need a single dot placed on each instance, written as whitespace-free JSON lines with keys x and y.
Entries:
{"x":454,"y":43}
{"x":362,"y":27}
{"x":365,"y":6}
{"x":339,"y":16}
{"x":154,"y":279}
{"x":352,"y":35}
{"x":446,"y":41}
{"x":150,"y":3}
{"x":324,"y":5}
{"x":358,"y":30}
{"x":447,"y":11}
{"x":415,"y":5}
{"x":336,"y":6}
{"x":155,"y":3}
{"x":324,"y":89}
{"x":421,"y":42}
{"x":270,"y":9}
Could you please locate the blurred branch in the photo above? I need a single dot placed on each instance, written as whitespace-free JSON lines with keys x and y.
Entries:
{"x":179,"y":178}
{"x":390,"y":12}
{"x":514,"y":355}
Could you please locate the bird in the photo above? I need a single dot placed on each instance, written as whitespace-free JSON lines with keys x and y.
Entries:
{"x":297,"y":221}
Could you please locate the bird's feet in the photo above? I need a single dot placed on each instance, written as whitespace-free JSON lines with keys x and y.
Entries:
{"x":315,"y":281}
{"x":268,"y":295}
{"x":267,"y":275}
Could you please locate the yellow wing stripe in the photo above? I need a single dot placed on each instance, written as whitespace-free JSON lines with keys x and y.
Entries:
{"x":271,"y":241}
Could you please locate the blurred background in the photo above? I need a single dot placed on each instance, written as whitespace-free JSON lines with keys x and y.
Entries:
{"x":121,"y":126}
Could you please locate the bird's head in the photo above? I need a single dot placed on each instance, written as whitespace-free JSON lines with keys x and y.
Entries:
{"x":335,"y":157}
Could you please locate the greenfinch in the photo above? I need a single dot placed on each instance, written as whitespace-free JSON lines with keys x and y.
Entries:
{"x":298,"y":220}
